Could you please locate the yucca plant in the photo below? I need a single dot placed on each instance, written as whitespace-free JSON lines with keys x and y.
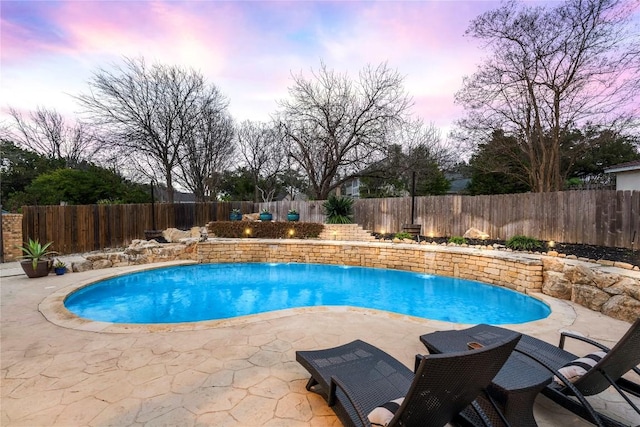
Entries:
{"x":339,"y":210}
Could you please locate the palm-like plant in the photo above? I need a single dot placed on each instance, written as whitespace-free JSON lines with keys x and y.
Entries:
{"x":339,"y":210}
{"x":35,"y":251}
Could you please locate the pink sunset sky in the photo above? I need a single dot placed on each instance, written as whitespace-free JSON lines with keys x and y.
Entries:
{"x":247,"y":48}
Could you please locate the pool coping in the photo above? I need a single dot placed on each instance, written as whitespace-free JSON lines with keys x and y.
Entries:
{"x":53,"y":309}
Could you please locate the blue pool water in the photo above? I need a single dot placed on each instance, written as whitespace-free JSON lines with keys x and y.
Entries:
{"x":219,"y":291}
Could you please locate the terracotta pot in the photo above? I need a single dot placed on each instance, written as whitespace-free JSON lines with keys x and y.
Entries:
{"x":41,"y":270}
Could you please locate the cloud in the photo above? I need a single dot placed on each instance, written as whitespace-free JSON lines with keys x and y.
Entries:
{"x":248,"y":49}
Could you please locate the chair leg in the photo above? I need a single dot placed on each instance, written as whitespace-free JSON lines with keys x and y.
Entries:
{"x":621,"y":393}
{"x":312,"y":381}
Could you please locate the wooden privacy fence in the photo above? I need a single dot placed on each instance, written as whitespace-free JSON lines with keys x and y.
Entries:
{"x":76,"y":229}
{"x":597,"y":217}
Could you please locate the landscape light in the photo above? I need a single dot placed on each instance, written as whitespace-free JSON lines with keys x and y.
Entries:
{"x":247,"y":231}
{"x":551,"y":244}
{"x":292,"y":232}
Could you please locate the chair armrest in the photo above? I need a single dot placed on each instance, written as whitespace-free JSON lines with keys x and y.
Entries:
{"x":564,"y":335}
{"x":336,"y":383}
{"x":568,"y":384}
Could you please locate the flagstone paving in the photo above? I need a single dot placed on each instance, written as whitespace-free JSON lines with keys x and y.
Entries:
{"x":238,"y":374}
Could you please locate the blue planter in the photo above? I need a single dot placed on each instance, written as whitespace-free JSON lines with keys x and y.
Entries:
{"x":266,"y":217}
{"x":60,"y":270}
{"x":235,"y":216}
{"x":293,"y":217}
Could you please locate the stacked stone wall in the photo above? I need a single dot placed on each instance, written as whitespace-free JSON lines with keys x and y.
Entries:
{"x":11,"y":236}
{"x":523,"y":275}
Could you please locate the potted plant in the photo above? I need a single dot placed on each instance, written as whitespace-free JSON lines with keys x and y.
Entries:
{"x":36,"y":258}
{"x":265,"y":215}
{"x":59,"y":267}
{"x":236,"y":215}
{"x":293,"y":215}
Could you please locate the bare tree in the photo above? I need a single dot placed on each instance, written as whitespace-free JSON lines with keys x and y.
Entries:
{"x":418,"y":151}
{"x":150,"y":111}
{"x":45,"y":132}
{"x":337,"y":126}
{"x":550,"y":70}
{"x":415,"y":135}
{"x":207,"y":153}
{"x":263,"y":152}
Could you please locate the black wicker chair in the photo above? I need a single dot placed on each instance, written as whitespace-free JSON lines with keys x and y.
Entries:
{"x":623,"y":358}
{"x":358,"y":377}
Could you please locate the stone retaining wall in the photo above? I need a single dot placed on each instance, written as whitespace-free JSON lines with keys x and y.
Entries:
{"x":139,"y":252}
{"x":515,"y":272}
{"x":613,"y":294}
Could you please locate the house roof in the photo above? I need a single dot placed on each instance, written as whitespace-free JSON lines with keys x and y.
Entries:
{"x":624,"y":167}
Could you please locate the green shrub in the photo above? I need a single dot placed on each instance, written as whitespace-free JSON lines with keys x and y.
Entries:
{"x":264,"y":230}
{"x":523,"y":243}
{"x":458,"y":240}
{"x":403,"y":235}
{"x":339,"y":210}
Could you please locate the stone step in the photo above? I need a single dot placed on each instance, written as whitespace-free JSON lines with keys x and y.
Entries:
{"x":344,"y":232}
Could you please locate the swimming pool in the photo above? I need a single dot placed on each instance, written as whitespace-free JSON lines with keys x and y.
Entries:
{"x":221,"y":291}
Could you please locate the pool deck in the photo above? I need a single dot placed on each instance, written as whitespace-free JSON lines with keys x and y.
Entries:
{"x":240,"y":373}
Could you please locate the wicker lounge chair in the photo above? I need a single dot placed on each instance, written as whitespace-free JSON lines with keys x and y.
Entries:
{"x":358,"y":377}
{"x":618,"y":361}
{"x":513,"y":390}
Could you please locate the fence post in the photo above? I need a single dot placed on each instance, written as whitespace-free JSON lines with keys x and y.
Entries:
{"x":11,"y":236}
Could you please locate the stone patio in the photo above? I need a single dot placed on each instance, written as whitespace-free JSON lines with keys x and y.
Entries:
{"x":237,"y":373}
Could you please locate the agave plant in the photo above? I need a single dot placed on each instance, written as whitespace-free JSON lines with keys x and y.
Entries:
{"x":339,"y":210}
{"x":35,"y":251}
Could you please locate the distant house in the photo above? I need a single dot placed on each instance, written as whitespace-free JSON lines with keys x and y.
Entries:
{"x":458,"y":182}
{"x":352,"y":188}
{"x":162,"y":195}
{"x":627,"y":175}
